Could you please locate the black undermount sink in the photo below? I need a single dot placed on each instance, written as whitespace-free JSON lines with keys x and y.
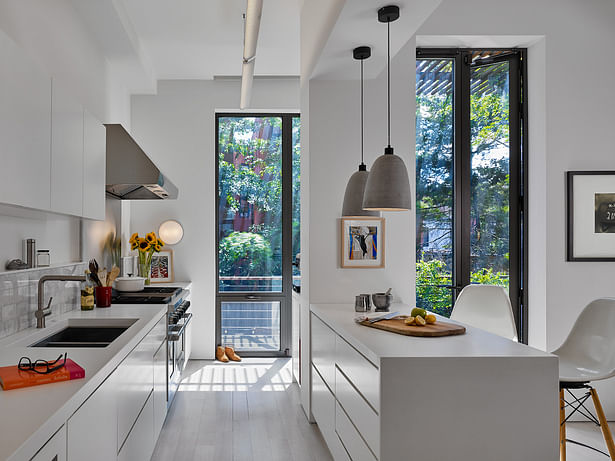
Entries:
{"x":74,"y":336}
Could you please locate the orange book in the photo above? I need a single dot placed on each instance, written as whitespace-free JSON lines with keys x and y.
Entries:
{"x":12,"y":377}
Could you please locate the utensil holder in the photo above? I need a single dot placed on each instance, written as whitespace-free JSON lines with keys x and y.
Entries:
{"x":103,"y":296}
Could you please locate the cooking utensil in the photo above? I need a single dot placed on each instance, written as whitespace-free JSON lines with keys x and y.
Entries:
{"x":388,"y":292}
{"x":102,"y":276}
{"x":93,"y":266}
{"x":115,"y":271}
{"x":390,"y":315}
{"x":397,"y":325}
{"x":130,"y":284}
{"x":382,"y":301}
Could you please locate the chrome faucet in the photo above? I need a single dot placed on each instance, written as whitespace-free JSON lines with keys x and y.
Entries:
{"x":43,"y":312}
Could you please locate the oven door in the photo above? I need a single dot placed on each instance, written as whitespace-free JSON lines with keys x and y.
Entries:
{"x":177,"y":354}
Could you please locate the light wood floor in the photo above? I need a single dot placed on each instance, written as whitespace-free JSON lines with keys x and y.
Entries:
{"x":239,"y":411}
{"x":251,"y":411}
{"x":589,"y":434}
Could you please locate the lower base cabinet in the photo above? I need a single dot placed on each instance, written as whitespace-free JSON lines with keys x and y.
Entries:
{"x":92,"y":429}
{"x":139,"y":445}
{"x":54,"y":449}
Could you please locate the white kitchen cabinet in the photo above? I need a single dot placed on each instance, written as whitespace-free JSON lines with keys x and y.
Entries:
{"x":159,"y":396}
{"x":92,"y":429}
{"x":323,"y":351}
{"x":25,"y":129}
{"x":139,"y":445}
{"x":54,"y":449}
{"x":66,"y":152}
{"x":94,"y":167}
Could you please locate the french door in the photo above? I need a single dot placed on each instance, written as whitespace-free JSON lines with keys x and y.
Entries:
{"x":471,"y":174}
{"x":257,"y":230}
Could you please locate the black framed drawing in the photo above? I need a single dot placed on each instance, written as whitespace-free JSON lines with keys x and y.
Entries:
{"x":590,"y":223}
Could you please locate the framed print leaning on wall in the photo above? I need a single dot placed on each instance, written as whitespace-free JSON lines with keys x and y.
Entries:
{"x":162,"y":267}
{"x":362,"y":242}
{"x":590,"y":206}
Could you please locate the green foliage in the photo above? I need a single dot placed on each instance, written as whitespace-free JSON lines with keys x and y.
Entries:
{"x":244,"y":254}
{"x":432,"y":275}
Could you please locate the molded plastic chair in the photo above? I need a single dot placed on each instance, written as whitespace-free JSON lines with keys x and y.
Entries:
{"x":587,"y":354}
{"x":487,"y":307}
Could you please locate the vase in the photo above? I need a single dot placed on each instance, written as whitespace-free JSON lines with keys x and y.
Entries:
{"x":145,"y":270}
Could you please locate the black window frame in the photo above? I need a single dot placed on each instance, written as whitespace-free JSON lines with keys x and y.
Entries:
{"x":285,"y":296}
{"x":518,"y":191}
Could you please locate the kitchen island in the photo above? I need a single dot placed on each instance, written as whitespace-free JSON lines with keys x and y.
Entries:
{"x":31,"y":416}
{"x":381,"y":396}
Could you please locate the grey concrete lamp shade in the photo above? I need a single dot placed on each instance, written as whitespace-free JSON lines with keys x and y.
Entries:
{"x":388,"y":186}
{"x":353,"y":198}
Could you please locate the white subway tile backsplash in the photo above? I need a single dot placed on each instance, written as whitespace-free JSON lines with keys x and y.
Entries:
{"x":19,"y":296}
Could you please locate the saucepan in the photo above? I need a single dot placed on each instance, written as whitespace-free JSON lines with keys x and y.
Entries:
{"x":129,"y":283}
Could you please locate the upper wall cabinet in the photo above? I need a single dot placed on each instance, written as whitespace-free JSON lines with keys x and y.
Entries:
{"x":94,"y":157}
{"x":66,"y":152}
{"x":25,"y":125}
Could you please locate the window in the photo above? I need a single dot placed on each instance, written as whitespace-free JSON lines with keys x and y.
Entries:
{"x":258,"y":177}
{"x":470,"y":167}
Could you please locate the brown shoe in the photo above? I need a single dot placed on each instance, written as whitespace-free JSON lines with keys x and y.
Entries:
{"x":220,"y":355}
{"x":230,"y":353}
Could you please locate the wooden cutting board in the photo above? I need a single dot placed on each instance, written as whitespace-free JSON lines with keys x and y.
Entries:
{"x":397,"y":325}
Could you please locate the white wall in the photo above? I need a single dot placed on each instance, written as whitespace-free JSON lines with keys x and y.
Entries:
{"x":176,"y":128}
{"x":334,"y":154}
{"x":54,"y":34}
{"x":570,"y":121}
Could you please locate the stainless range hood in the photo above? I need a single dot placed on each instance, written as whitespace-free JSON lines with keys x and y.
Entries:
{"x":131,"y":175}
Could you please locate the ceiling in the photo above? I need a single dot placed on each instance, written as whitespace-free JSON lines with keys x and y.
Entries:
{"x":201,"y":39}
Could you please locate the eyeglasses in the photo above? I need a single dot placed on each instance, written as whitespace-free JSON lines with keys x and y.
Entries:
{"x":41,"y":366}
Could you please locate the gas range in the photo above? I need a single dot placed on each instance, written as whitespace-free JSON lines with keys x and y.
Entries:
{"x":149,"y":295}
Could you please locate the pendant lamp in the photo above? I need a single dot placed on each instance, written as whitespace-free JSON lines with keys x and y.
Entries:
{"x":353,"y":198}
{"x":388,"y":187}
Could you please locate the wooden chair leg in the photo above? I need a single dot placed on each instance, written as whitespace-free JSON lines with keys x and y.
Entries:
{"x":604,"y":424}
{"x":562,"y":426}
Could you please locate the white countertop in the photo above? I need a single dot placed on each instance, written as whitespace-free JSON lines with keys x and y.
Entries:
{"x":30,"y":416}
{"x":378,"y":344}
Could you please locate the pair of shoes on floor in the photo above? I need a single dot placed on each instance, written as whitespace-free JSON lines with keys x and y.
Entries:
{"x":224,"y":354}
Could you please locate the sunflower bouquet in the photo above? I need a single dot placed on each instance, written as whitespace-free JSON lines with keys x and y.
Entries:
{"x":147,"y":247}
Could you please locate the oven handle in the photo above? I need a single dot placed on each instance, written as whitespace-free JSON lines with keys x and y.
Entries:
{"x":175,"y":335}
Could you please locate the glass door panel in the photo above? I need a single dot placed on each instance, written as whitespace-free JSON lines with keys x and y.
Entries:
{"x":490,"y":174}
{"x":251,"y":326}
{"x":434,"y":183}
{"x":250,"y":204}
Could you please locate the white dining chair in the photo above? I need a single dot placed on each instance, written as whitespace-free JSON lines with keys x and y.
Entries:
{"x":486,"y":307}
{"x":587,"y":354}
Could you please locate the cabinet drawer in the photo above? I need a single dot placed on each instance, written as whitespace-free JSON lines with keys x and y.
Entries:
{"x":362,"y":373}
{"x":54,"y":449}
{"x":323,"y":409}
{"x":323,"y":350}
{"x":350,"y":438}
{"x":139,"y":445}
{"x":359,"y":412}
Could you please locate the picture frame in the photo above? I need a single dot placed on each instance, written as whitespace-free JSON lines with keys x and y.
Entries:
{"x":162,"y":270}
{"x":590,"y":216}
{"x":362,"y":242}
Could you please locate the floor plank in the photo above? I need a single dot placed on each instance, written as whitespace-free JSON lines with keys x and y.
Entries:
{"x":248,"y":411}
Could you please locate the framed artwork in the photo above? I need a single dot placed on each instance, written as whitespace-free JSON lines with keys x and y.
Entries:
{"x":162,"y":267}
{"x":590,"y":204}
{"x":362,"y":242}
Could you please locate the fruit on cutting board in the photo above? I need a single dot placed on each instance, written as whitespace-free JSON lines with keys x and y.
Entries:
{"x":430,"y":318}
{"x":409,"y":321}
{"x":418,"y":312}
{"x":420,"y":321}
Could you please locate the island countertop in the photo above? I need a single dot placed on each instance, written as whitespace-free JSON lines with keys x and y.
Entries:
{"x":377,"y":344}
{"x":32,"y":415}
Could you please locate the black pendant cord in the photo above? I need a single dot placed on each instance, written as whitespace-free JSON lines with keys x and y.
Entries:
{"x":362,"y":163}
{"x":389,"y":83}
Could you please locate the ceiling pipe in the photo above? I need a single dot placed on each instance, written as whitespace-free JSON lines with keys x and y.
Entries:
{"x":252,"y":25}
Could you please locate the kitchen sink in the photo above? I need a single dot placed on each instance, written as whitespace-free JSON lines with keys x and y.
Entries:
{"x":83,"y":336}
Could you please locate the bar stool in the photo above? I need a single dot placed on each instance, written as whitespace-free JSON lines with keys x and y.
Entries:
{"x":587,"y":354}
{"x":486,"y":307}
